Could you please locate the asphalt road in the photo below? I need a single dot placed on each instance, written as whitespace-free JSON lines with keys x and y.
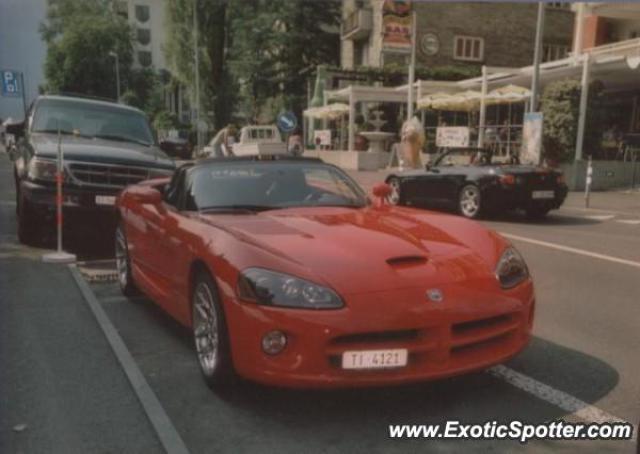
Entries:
{"x":585,"y":350}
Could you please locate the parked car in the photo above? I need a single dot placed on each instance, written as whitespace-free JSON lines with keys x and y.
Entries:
{"x":259,"y":140}
{"x":287,"y":274}
{"x":178,"y":145}
{"x":474,"y":183}
{"x":106,"y":147}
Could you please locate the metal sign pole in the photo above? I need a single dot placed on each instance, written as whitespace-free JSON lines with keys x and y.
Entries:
{"x":59,"y":256}
{"x":587,"y":186}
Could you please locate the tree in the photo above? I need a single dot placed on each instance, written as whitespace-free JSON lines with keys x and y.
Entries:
{"x":216,"y":86}
{"x":80,"y":34}
{"x":276,"y":44}
{"x":560,"y":105}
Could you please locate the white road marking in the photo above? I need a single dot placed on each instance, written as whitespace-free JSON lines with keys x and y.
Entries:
{"x":556,"y":397}
{"x":599,"y":217}
{"x":560,"y":247}
{"x":629,"y":221}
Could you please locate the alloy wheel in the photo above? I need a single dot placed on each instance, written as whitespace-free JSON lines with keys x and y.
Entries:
{"x":470,"y":201}
{"x":394,"y":197}
{"x":205,"y":329}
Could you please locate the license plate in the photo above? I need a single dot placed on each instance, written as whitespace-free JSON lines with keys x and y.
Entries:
{"x":542,"y":195}
{"x":105,"y":199}
{"x":374,"y":359}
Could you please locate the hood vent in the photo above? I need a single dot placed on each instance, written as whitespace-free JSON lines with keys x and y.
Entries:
{"x":406,"y":260}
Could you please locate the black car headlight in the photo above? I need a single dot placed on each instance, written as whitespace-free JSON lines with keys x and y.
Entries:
{"x":42,"y":169}
{"x":511,"y":269}
{"x":270,"y":288}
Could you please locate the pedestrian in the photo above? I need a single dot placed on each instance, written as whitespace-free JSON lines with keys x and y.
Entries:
{"x":294,"y":143}
{"x":413,"y":139}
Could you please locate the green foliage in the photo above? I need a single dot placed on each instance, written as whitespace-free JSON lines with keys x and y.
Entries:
{"x":80,"y":34}
{"x":395,"y":74}
{"x":216,"y":86}
{"x":560,"y":105}
{"x":275,"y":46}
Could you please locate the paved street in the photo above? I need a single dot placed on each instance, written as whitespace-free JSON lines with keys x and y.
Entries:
{"x":59,"y":378}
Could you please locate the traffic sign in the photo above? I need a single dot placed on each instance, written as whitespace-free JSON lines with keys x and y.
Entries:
{"x":11,"y":83}
{"x":287,"y":122}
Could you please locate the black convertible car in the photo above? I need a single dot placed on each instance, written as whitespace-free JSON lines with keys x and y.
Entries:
{"x":475,"y":183}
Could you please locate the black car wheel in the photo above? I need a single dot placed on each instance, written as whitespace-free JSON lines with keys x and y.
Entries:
{"x":28,"y":230}
{"x":470,"y":201}
{"x":210,"y":334}
{"x":537,"y":212}
{"x":123,"y":263}
{"x":395,"y":196}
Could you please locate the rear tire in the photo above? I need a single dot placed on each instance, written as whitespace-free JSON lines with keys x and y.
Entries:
{"x":123,"y":263}
{"x":470,"y":202}
{"x":210,"y":334}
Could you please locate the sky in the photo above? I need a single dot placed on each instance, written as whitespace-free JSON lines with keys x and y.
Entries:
{"x":21,"y":48}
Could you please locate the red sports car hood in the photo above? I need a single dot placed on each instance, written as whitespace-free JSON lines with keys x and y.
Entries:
{"x":370,"y":249}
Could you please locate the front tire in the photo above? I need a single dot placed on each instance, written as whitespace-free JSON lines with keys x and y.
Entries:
{"x":210,"y":334}
{"x":123,"y":263}
{"x":470,"y":201}
{"x":27,"y":227}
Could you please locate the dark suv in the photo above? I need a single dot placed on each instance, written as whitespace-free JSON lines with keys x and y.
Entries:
{"x":106,"y":147}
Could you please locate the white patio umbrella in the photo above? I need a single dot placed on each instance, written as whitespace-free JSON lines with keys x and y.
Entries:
{"x":328,"y":112}
{"x":426,"y":102}
{"x":464,"y":101}
{"x":508,"y":94}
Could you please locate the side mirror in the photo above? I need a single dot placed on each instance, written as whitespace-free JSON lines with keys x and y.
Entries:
{"x":16,"y":129}
{"x":146,"y":195}
{"x":381,"y":192}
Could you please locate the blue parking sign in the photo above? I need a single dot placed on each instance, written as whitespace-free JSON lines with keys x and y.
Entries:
{"x":11,"y":83}
{"x":287,"y":122}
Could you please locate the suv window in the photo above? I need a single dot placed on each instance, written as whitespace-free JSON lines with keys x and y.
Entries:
{"x":91,"y":120}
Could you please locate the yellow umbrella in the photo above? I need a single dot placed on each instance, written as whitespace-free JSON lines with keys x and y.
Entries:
{"x":427,"y":101}
{"x":508,"y":94}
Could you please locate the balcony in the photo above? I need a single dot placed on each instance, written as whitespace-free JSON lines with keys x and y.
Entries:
{"x":357,"y":25}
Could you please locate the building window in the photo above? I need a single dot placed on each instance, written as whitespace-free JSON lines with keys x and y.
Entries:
{"x":559,"y":5}
{"x":144,"y":58}
{"x":468,"y":48}
{"x":551,"y":52}
{"x":144,"y":36}
{"x":360,"y":50}
{"x":121,"y":8}
{"x":142,"y":13}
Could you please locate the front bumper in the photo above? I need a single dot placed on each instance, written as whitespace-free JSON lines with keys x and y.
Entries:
{"x":79,"y":204}
{"x":470,"y":330}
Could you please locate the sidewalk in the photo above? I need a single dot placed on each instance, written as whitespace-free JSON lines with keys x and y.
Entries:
{"x":61,"y":388}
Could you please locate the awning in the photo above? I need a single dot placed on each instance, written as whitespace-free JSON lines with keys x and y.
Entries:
{"x":328,"y":112}
{"x":508,"y":94}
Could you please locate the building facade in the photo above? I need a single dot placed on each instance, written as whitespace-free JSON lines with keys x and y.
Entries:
{"x":453,"y":34}
{"x":147,"y":19}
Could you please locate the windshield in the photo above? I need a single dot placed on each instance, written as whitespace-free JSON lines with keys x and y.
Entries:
{"x":91,"y":120}
{"x":259,"y":186}
{"x":464,"y":156}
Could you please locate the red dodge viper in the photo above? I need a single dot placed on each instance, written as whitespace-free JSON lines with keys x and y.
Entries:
{"x":288,"y":274}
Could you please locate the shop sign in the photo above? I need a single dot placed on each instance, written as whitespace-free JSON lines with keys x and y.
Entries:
{"x":452,"y":136}
{"x":396,"y":26}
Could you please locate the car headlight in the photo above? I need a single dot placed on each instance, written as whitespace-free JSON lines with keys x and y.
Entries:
{"x":42,"y":169}
{"x":511,"y":269}
{"x":270,"y":288}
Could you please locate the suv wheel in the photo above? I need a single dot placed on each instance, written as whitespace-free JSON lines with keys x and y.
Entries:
{"x":27,"y":228}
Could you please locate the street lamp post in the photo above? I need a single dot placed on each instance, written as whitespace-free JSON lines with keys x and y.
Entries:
{"x":115,"y":55}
